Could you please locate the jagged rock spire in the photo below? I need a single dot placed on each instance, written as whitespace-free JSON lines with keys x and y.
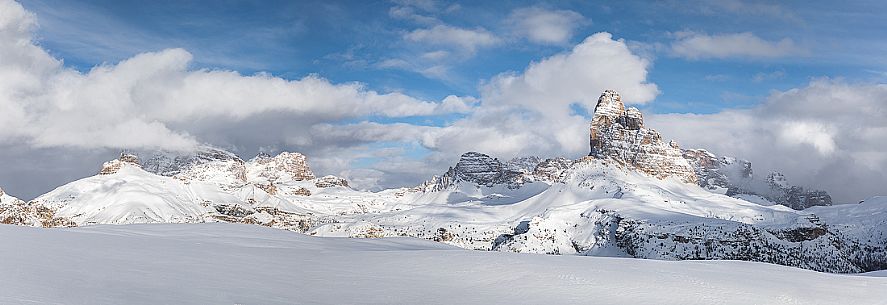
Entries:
{"x":618,"y":134}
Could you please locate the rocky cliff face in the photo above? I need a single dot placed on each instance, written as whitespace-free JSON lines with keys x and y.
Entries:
{"x":284,"y":166}
{"x":619,"y":134}
{"x":477,"y":168}
{"x":719,"y":174}
{"x":169,"y":164}
{"x":483,"y":170}
{"x":215,"y":165}
{"x":734,"y":177}
{"x":113,"y":166}
{"x":795,"y":197}
{"x":330,"y":181}
{"x":14,"y":211}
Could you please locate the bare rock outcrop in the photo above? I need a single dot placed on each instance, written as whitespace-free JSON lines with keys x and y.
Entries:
{"x":719,"y":174}
{"x":285,"y":166}
{"x":479,"y":169}
{"x":795,"y":197}
{"x":619,"y":134}
{"x":330,"y":181}
{"x":552,"y":169}
{"x":15,"y":211}
{"x":167,"y":163}
{"x":125,"y":159}
{"x":484,"y":170}
{"x":735,"y":177}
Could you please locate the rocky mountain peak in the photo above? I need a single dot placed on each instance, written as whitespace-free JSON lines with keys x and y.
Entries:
{"x":609,"y":105}
{"x":261,"y":157}
{"x":795,"y":197}
{"x":115,"y":165}
{"x":619,"y":134}
{"x":481,"y":169}
{"x":166,"y":163}
{"x":1,"y":192}
{"x":484,"y":170}
{"x":735,"y":177}
{"x":291,"y":164}
{"x":777,"y":180}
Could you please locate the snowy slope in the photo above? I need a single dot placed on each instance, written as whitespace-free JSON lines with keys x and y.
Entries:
{"x":598,"y":208}
{"x":240,"y":264}
{"x":132,"y":195}
{"x":589,"y":207}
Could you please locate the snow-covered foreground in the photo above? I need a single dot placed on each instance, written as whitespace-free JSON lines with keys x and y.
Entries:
{"x":221,"y":263}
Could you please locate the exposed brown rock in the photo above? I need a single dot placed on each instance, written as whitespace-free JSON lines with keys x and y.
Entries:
{"x":33,"y":214}
{"x":294,"y":165}
{"x":301,"y":192}
{"x":115,"y":165}
{"x":552,"y":169}
{"x":330,"y":181}
{"x":619,"y":134}
{"x":269,"y":188}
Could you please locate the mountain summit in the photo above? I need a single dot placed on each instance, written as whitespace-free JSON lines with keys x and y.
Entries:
{"x":619,"y":134}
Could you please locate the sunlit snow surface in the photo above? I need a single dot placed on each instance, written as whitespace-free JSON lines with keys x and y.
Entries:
{"x":243,"y":264}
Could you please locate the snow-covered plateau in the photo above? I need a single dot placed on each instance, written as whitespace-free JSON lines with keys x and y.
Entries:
{"x":241,"y":264}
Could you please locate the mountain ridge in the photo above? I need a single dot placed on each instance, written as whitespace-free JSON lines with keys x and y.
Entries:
{"x":647,"y":201}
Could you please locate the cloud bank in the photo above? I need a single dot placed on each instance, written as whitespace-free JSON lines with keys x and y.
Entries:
{"x":830,"y":134}
{"x":149,"y":100}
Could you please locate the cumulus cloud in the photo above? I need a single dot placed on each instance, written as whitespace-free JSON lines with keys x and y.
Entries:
{"x":829,"y":134}
{"x":531,"y":112}
{"x":544,"y":26}
{"x":152,"y":99}
{"x":693,"y":45}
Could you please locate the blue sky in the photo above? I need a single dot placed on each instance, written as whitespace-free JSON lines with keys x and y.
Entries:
{"x":346,"y":41}
{"x":387,"y":93}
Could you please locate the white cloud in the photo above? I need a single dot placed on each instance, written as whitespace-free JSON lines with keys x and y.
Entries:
{"x":765,"y":76}
{"x":692,"y":45}
{"x":829,"y":134}
{"x":577,"y":76}
{"x":409,"y":13}
{"x":436,"y":71}
{"x":435,"y":55}
{"x":154,"y":99}
{"x":816,"y":134}
{"x":530,"y":112}
{"x":545,"y":26}
{"x":462,"y":39}
{"x":393,"y":63}
{"x":425,"y":5}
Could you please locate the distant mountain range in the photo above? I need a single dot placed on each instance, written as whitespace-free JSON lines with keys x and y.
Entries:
{"x":634,"y":195}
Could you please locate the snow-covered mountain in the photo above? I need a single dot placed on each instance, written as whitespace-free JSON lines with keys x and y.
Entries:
{"x":735,"y":177}
{"x":635,"y":195}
